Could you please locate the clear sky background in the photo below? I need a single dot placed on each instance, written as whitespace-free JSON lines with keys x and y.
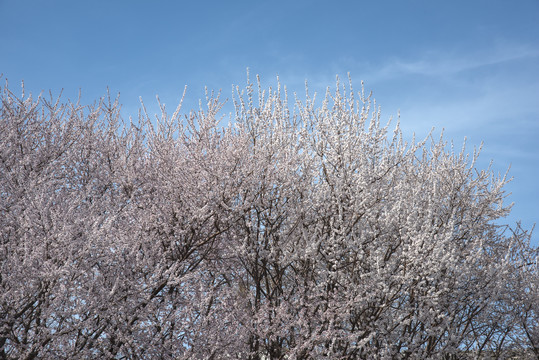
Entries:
{"x":469,"y":67}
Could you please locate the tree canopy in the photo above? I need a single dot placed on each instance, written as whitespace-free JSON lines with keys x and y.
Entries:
{"x":298,"y":231}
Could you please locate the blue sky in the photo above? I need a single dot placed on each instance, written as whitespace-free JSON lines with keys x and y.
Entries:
{"x":470,"y":67}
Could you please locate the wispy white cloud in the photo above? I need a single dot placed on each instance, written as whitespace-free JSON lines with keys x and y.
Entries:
{"x":456,"y":89}
{"x":442,"y":62}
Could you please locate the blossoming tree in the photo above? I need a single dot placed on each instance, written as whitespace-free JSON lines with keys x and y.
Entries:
{"x":296,"y":232}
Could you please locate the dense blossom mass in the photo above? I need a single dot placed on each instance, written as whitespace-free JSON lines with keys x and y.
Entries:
{"x":298,"y":231}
